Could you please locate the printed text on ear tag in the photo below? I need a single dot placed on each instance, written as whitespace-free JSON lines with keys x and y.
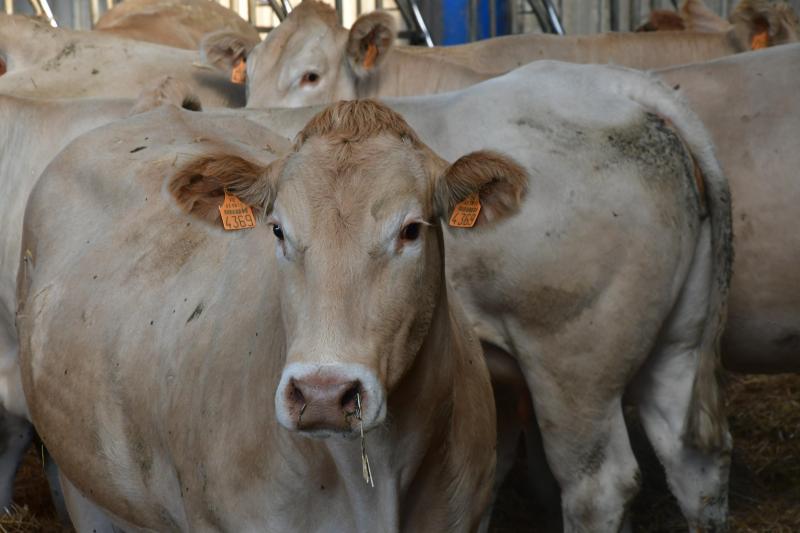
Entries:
{"x":466,"y":212}
{"x":235,"y":214}
{"x":239,"y":72}
{"x":371,"y":55}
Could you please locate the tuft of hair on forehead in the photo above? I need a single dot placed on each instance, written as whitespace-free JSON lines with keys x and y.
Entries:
{"x":355,"y":121}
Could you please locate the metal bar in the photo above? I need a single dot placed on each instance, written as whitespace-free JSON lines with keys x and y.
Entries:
{"x":404,"y":13}
{"x":94,"y":10}
{"x":378,"y":4}
{"x":512,"y":16}
{"x":37,"y":7}
{"x":421,"y":23}
{"x":542,"y":21}
{"x":48,"y":13}
{"x":613,"y":15}
{"x":109,"y":4}
{"x":492,"y":18}
{"x":287,"y":7}
{"x":339,"y":10}
{"x":9,"y":5}
{"x":358,"y":8}
{"x":277,"y":8}
{"x":473,"y":20}
{"x":552,"y":16}
{"x":251,"y":12}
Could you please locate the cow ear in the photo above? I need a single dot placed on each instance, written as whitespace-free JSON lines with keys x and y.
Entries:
{"x":227,"y":51}
{"x":499,"y":182}
{"x":199,"y":186}
{"x":371,"y":38}
{"x":760,"y":24}
{"x":698,"y":17}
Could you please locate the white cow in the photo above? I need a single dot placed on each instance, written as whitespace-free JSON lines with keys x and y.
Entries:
{"x":48,"y":63}
{"x":33,"y":132}
{"x":194,"y":418}
{"x":622,"y":271}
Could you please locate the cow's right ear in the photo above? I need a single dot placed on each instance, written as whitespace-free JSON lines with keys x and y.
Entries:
{"x":200,"y":185}
{"x":760,"y":24}
{"x":227,"y":51}
{"x":371,"y":38}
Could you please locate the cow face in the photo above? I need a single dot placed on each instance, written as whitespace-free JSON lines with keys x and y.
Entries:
{"x":308,"y":59}
{"x":354,"y":213}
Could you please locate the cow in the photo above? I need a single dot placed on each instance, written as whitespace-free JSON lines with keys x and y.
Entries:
{"x":311,"y":59}
{"x":761,"y":23}
{"x":348,"y":334}
{"x":620,"y":283}
{"x":744,"y":104}
{"x":178,"y":23}
{"x":34,"y":131}
{"x":47,"y":63}
{"x":767,"y":340}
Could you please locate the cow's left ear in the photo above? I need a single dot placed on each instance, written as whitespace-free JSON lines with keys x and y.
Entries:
{"x":227,"y":51}
{"x":371,"y":38}
{"x":761,"y":24}
{"x":199,"y":186}
{"x":499,"y":182}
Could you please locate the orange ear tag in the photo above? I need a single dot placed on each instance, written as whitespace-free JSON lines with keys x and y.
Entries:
{"x":239,"y":72}
{"x":466,"y":212}
{"x":235,"y":214}
{"x":760,"y":40}
{"x":369,"y":58}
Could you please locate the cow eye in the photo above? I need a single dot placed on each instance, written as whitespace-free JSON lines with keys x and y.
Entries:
{"x":410,"y":232}
{"x":277,"y":231}
{"x":309,"y":78}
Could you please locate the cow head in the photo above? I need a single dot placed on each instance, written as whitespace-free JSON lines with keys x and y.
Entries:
{"x":354,"y":210}
{"x":309,"y":58}
{"x":761,"y":23}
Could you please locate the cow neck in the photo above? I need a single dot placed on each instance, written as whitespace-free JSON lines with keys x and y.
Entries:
{"x":420,"y":415}
{"x":404,"y":73}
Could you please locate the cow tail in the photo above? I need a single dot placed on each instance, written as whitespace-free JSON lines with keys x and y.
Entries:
{"x":706,"y":426}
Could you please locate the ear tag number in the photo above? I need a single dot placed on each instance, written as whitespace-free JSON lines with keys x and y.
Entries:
{"x":466,"y":212}
{"x":371,"y":55}
{"x":235,"y":214}
{"x":239,"y":72}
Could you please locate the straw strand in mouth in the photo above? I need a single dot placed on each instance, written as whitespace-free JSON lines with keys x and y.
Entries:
{"x":366,"y":471}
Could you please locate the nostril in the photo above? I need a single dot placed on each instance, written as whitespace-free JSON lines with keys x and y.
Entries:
{"x":295,"y":394}
{"x":348,"y":401}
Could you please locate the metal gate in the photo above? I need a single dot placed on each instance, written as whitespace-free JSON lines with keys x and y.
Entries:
{"x":417,"y":17}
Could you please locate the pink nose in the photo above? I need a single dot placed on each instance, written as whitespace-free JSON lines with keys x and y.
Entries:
{"x":324,"y":402}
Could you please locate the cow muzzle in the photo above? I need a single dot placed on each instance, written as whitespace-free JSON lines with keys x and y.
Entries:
{"x":320,"y":400}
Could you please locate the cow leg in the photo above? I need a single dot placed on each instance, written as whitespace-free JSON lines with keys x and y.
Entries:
{"x":587,"y":448}
{"x":56,"y":493}
{"x":698,"y":478}
{"x":86,"y":516}
{"x":15,"y":437}
{"x":546,"y":491}
{"x":15,"y":430}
